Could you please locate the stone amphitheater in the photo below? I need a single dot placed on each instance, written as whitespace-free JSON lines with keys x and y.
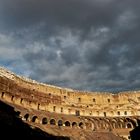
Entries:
{"x":65,"y":112}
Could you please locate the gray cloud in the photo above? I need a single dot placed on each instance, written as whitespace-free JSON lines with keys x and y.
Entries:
{"x":87,"y":45}
{"x":72,"y":14}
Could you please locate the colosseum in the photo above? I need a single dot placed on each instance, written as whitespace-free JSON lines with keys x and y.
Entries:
{"x":65,"y":112}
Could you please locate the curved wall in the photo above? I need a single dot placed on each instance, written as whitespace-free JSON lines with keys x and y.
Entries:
{"x":39,"y":96}
{"x":67,"y":107}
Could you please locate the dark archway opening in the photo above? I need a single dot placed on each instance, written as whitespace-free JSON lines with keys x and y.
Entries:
{"x":81,"y":125}
{"x":52,"y":122}
{"x":77,"y":113}
{"x":26,"y":116}
{"x":60,"y":123}
{"x":67,"y":123}
{"x":44,"y":121}
{"x":74,"y":124}
{"x":129,"y":125}
{"x":34,"y":119}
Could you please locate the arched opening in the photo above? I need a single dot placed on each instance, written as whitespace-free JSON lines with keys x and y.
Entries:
{"x":60,"y":123}
{"x":38,"y":106}
{"x":104,"y":114}
{"x":106,"y":124}
{"x":133,"y":122}
{"x":81,"y":125}
{"x":54,"y":108}
{"x":125,"y":112}
{"x":108,"y":100}
{"x":74,"y":124}
{"x":95,"y":123}
{"x":12,"y":98}
{"x":2,"y":95}
{"x":67,"y":123}
{"x":61,"y":109}
{"x":26,"y":116}
{"x":94,"y":100}
{"x":118,"y":112}
{"x":52,"y":122}
{"x":79,"y":100}
{"x":122,"y":122}
{"x":128,"y":125}
{"x":21,"y":100}
{"x":114,"y":124}
{"x":34,"y":119}
{"x":77,"y":113}
{"x":44,"y":121}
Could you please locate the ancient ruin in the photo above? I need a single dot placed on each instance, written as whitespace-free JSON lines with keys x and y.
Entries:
{"x":66,"y":112}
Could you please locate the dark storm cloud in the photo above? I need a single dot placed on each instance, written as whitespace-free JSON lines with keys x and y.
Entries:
{"x":78,"y":14}
{"x":82,"y":44}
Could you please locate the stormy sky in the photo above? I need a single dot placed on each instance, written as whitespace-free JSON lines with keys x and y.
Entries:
{"x":89,"y":45}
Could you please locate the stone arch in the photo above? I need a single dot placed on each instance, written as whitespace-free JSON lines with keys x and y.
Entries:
{"x":34,"y":119}
{"x":81,"y":125}
{"x":133,"y":122}
{"x":52,"y":122}
{"x":120,"y":119}
{"x":114,"y":123}
{"x":102,"y":123}
{"x":106,"y":123}
{"x":44,"y":120}
{"x":74,"y":124}
{"x":67,"y":123}
{"x":129,"y":125}
{"x":26,"y":117}
{"x":95,"y":123}
{"x":120,"y":123}
{"x":60,"y":123}
{"x":107,"y":119}
{"x":123,"y":120}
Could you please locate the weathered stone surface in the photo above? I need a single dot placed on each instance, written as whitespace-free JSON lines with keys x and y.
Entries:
{"x":67,"y":112}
